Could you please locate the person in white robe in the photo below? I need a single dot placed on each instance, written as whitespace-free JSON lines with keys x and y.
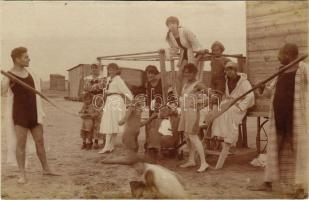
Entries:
{"x":226,"y":125}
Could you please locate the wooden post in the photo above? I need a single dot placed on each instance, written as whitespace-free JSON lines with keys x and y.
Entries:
{"x":173,"y":74}
{"x":163,"y":75}
{"x":258,"y":135}
{"x":244,"y":133}
{"x":242,"y":64}
{"x":174,"y":119}
{"x":200,"y":66}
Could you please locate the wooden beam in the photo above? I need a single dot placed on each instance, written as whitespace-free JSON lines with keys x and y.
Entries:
{"x":173,"y":74}
{"x":131,"y":54}
{"x":163,"y":75}
{"x":242,"y":65}
{"x":131,"y":59}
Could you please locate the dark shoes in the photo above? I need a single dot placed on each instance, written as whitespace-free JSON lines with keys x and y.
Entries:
{"x":84,"y":146}
{"x":267,"y":187}
{"x":89,"y":146}
{"x":96,"y":146}
{"x":152,"y":155}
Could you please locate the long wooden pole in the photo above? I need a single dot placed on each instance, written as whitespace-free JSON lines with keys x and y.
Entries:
{"x":225,"y":55}
{"x":131,"y":54}
{"x":16,"y":80}
{"x":131,"y":59}
{"x":282,"y":70}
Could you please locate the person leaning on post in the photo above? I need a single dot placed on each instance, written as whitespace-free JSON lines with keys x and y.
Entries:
{"x":182,"y":39}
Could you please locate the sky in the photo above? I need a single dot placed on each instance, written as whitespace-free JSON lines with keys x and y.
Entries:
{"x":60,"y":35}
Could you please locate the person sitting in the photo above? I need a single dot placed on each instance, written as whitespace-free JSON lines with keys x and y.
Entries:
{"x":225,"y":126}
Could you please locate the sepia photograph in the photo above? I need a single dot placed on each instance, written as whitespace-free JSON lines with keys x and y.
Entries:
{"x":154,"y":99}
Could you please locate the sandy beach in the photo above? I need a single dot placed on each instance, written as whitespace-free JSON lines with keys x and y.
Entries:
{"x":84,"y":177}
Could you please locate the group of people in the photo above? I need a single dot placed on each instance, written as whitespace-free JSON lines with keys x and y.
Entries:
{"x":288,"y":137}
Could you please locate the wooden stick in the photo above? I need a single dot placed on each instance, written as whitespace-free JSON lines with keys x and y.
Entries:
{"x":225,"y":55}
{"x":16,"y":80}
{"x":132,"y":54}
{"x":282,"y":70}
{"x":132,"y":59}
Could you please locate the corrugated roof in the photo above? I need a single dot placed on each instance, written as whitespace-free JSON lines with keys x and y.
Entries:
{"x":56,"y":75}
{"x":77,"y":66}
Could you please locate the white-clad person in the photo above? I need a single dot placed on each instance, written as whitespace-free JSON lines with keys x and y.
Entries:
{"x":226,"y":125}
{"x":184,"y":40}
{"x":114,"y":109}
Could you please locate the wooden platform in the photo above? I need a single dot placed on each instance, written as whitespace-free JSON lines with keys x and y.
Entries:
{"x":236,"y":152}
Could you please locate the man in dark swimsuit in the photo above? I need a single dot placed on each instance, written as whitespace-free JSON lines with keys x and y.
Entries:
{"x":285,"y":125}
{"x":25,"y":112}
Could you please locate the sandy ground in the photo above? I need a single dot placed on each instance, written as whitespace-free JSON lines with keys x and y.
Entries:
{"x":84,"y":177}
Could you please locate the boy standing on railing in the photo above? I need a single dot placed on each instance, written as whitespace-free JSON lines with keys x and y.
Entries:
{"x":217,"y":64}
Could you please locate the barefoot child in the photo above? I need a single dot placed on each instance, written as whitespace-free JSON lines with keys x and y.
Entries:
{"x":88,"y":114}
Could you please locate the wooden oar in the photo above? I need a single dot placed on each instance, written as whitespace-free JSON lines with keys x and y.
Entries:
{"x":283,"y":69}
{"x":16,"y":80}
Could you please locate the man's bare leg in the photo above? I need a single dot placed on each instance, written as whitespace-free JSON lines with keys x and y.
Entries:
{"x":37,"y":134}
{"x":21,"y":137}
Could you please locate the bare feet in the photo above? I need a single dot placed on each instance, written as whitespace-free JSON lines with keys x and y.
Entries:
{"x":49,"y":173}
{"x":203,"y":168}
{"x":188,"y":164}
{"x":106,"y":151}
{"x":22,"y":179}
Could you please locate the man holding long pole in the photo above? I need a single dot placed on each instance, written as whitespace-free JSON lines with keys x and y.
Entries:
{"x":287,"y":151}
{"x":26,"y":111}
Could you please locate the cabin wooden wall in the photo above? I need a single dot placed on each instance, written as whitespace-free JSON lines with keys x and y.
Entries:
{"x":57,"y":82}
{"x":270,"y":24}
{"x":74,"y":81}
{"x":133,"y":77}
